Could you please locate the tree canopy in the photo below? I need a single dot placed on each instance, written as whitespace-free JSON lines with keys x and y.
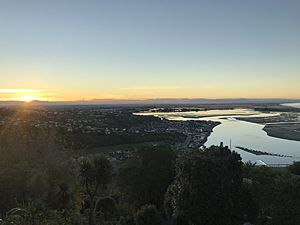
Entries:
{"x":204,"y":189}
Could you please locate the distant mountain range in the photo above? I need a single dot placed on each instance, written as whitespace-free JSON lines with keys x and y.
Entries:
{"x":159,"y":101}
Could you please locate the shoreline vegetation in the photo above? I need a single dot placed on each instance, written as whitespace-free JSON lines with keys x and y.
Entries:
{"x":258,"y":152}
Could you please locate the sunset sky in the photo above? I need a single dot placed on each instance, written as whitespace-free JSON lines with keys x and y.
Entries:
{"x":138,"y":49}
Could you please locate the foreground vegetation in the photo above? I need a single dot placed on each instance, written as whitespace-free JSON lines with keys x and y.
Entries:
{"x":41,"y":183}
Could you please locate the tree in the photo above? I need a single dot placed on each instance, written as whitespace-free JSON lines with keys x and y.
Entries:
{"x":32,"y":163}
{"x":95,"y":174}
{"x":247,"y":208}
{"x":286,"y":202}
{"x":62,"y":197}
{"x":144,"y":178}
{"x":262,"y":182}
{"x":206,"y":186}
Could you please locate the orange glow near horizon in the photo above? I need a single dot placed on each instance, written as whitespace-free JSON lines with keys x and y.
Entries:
{"x":28,"y":98}
{"x":24,"y":95}
{"x":143,"y":93}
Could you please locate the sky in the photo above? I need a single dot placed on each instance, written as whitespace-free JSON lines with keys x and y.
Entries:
{"x":140,"y":49}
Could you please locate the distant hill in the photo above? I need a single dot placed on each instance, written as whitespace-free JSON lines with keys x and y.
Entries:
{"x":159,"y":101}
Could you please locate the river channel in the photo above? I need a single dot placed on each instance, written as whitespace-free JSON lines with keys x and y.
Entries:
{"x":234,"y":132}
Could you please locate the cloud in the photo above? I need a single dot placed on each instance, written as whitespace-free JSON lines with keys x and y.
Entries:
{"x":18,"y":91}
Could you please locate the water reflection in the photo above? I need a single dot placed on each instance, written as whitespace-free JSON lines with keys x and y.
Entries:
{"x":240,"y":133}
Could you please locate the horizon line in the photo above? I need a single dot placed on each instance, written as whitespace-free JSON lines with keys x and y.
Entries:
{"x":155,"y":101}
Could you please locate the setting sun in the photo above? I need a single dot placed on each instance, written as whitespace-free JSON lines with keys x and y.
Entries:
{"x":28,"y":98}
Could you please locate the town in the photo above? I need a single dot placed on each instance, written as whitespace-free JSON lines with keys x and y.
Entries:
{"x":89,"y":129}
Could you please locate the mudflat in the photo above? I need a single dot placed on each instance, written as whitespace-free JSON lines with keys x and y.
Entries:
{"x":290,"y":131}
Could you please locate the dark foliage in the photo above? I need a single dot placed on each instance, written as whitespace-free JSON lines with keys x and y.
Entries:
{"x":144,"y":178}
{"x":147,"y":215}
{"x":286,"y":202}
{"x":295,"y":168}
{"x":205,"y":187}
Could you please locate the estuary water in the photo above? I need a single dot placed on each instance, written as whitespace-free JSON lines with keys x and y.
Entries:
{"x":234,"y":132}
{"x":295,"y":105}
